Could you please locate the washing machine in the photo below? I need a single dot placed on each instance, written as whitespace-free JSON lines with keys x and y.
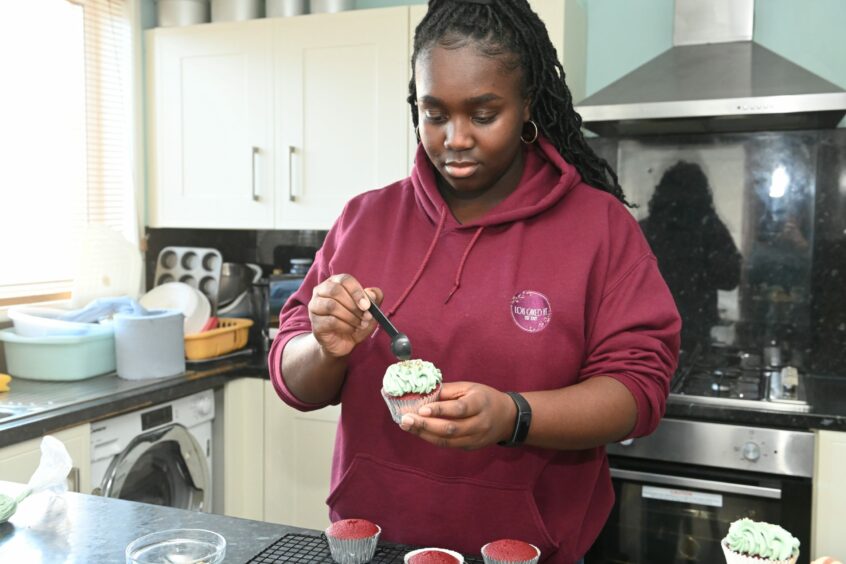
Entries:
{"x":160,"y":455}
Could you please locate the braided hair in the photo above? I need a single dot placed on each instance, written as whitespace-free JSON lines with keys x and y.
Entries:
{"x":512,"y":32}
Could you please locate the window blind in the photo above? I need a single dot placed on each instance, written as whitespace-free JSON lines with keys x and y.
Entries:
{"x":65,"y":138}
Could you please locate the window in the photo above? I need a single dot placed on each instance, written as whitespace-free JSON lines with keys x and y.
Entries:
{"x":65,"y":138}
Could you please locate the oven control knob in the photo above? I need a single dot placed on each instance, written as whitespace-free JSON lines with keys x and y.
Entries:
{"x":751,"y":451}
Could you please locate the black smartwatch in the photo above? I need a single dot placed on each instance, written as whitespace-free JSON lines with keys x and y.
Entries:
{"x":522,"y":423}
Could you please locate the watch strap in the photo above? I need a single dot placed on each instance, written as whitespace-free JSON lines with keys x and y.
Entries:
{"x":522,"y":422}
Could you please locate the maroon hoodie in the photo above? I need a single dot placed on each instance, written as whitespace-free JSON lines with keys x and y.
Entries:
{"x":555,"y":285}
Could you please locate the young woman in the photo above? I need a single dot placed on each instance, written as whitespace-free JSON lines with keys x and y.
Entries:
{"x":510,"y":260}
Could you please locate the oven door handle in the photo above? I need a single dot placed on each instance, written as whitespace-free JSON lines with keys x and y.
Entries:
{"x":682,"y":482}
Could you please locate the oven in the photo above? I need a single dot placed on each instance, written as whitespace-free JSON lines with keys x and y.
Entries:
{"x":678,"y":490}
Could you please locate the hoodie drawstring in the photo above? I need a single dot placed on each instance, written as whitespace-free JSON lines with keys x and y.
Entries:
{"x":460,"y":270}
{"x":423,"y":264}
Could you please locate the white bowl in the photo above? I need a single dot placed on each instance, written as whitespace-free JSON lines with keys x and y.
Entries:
{"x":191,"y":546}
{"x":30,"y":321}
{"x":193,"y":304}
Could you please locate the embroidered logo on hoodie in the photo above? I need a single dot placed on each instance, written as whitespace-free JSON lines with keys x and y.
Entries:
{"x":530,"y":311}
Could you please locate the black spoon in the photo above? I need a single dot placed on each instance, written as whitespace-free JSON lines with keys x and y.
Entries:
{"x":400,"y":344}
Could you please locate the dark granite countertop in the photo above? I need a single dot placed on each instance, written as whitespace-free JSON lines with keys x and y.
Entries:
{"x":46,"y":407}
{"x":65,"y":404}
{"x":81,"y":528}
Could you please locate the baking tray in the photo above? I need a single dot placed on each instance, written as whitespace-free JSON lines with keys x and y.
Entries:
{"x":199,"y":267}
{"x":309,"y":549}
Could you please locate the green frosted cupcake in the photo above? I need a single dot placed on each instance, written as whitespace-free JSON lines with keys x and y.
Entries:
{"x":409,"y":384}
{"x":756,"y":542}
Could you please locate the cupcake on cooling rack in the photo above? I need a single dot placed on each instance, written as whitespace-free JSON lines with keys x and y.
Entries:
{"x":352,"y":541}
{"x":433,"y":556}
{"x":510,"y":551}
{"x":409,"y":384}
{"x":756,"y":542}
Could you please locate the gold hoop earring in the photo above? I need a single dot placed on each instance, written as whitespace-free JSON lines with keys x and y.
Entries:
{"x":534,"y":138}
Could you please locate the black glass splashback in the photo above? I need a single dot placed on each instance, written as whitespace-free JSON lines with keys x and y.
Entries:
{"x":750,"y":235}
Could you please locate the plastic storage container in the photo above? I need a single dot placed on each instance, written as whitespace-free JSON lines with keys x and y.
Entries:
{"x":231,"y":334}
{"x":60,"y":358}
{"x":174,"y":13}
{"x":285,"y":8}
{"x":150,"y":346}
{"x":236,"y":10}
{"x":321,"y":6}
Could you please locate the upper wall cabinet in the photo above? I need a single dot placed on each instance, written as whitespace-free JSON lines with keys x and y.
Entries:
{"x":341,"y":83}
{"x":210,"y":126}
{"x":275,"y":123}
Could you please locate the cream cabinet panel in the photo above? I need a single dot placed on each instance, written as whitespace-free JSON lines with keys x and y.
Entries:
{"x":19,"y":461}
{"x":341,"y":84}
{"x":243,"y":448}
{"x":829,"y":497}
{"x":210,"y":126}
{"x":298,"y":462}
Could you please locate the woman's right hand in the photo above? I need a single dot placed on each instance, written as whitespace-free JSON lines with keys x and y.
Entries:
{"x":339,"y":314}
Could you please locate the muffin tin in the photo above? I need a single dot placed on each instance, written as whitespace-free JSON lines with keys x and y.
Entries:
{"x":199,"y":267}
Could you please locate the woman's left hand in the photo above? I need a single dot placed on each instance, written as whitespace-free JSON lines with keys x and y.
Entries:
{"x":467,"y":416}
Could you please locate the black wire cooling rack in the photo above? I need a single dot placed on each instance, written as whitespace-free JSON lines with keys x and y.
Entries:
{"x":308,"y":549}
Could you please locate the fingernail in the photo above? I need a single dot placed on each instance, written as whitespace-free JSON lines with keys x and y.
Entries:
{"x":406,"y":422}
{"x":363,"y":304}
{"x":367,"y":316}
{"x":425,"y":411}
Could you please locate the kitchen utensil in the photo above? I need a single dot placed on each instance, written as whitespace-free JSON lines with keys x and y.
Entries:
{"x":235,"y":279}
{"x":285,"y":8}
{"x":193,"y":304}
{"x":400,"y":343}
{"x":320,"y":6}
{"x":61,"y":357}
{"x":199,"y":267}
{"x":174,"y":13}
{"x":186,"y":546}
{"x":236,"y":10}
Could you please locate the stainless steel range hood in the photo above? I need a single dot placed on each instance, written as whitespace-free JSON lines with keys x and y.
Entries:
{"x":714,"y":79}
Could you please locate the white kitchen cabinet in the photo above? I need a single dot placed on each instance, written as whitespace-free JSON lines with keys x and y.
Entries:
{"x":298,"y":462}
{"x":210,"y":127}
{"x":19,"y":461}
{"x":275,"y":123}
{"x":340,"y":83}
{"x":829,"y":495}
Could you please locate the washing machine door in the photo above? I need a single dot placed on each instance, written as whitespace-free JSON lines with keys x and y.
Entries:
{"x":164,"y":466}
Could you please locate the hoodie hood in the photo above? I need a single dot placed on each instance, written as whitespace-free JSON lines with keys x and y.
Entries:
{"x":546,"y":179}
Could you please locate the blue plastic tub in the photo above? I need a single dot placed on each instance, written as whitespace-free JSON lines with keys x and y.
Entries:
{"x":60,"y":358}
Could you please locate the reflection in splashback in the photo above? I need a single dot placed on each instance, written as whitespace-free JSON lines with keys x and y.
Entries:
{"x":750,"y":235}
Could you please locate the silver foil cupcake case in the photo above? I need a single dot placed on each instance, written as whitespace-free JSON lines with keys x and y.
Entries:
{"x":199,"y":267}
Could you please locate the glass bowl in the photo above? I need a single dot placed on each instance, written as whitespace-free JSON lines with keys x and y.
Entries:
{"x":177,"y":546}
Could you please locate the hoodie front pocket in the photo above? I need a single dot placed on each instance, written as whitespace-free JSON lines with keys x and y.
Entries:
{"x":423,"y":509}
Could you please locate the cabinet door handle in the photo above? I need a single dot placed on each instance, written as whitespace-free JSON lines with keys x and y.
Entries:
{"x":255,"y":152}
{"x":291,"y":197}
